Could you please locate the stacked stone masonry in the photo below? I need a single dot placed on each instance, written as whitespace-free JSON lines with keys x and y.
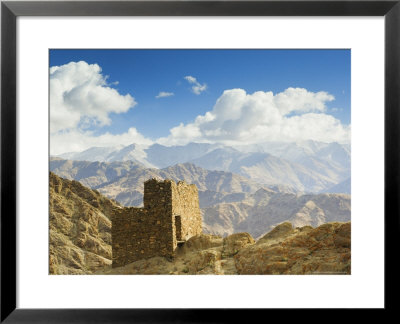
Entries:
{"x":171,"y":213}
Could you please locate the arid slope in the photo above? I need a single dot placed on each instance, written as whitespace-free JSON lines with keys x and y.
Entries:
{"x":284,"y":250}
{"x":80,"y":242}
{"x":80,"y":228}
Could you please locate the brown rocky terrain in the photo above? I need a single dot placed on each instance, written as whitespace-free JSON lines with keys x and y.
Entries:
{"x":80,"y":228}
{"x":301,"y":250}
{"x":284,"y":250}
{"x":80,"y":242}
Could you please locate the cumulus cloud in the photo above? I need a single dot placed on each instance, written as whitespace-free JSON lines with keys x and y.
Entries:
{"x":241,"y":118}
{"x":80,"y":97}
{"x":197,"y":87}
{"x":163,"y":94}
{"x":76,"y":140}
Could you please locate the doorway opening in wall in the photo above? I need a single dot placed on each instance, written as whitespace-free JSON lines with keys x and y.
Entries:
{"x":178,"y":228}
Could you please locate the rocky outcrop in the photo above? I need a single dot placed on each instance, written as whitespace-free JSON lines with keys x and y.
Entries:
{"x":201,"y":242}
{"x":284,"y":250}
{"x":204,"y":262}
{"x":323,"y":250}
{"x":80,"y":228}
{"x":278,"y":234}
{"x":235,"y":242}
{"x":80,"y":242}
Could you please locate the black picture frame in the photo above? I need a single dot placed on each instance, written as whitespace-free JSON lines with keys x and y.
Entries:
{"x":10,"y":10}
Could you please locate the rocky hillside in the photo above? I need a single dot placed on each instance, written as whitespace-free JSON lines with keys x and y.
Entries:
{"x":284,"y":250}
{"x":80,"y":236}
{"x":258,"y":213}
{"x":80,"y":228}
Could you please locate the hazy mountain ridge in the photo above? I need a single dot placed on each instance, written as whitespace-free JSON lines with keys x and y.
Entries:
{"x":299,"y":169}
{"x":91,"y":174}
{"x":304,"y":166}
{"x":125,"y":183}
{"x":164,"y":156}
{"x":261,"y":211}
{"x":344,"y":186}
{"x":229,"y":202}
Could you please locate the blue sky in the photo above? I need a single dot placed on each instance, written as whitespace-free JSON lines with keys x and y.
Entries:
{"x":143,"y":74}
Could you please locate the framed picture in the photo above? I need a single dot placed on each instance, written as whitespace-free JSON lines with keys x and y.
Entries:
{"x":223,"y":40}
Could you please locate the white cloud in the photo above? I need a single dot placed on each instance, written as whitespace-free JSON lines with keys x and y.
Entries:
{"x":76,"y":140}
{"x":241,"y":118}
{"x":197,"y":87}
{"x":190,"y":79}
{"x":163,"y":94}
{"x":80,"y":97}
{"x":301,"y":100}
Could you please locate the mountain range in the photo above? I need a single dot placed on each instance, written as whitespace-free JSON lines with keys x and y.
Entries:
{"x":229,"y":202}
{"x":241,"y":189}
{"x":304,"y":166}
{"x":123,"y":181}
{"x":261,"y":211}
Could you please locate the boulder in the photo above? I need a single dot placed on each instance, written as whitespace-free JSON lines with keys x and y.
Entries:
{"x":323,"y":250}
{"x":201,"y":242}
{"x":233,"y":243}
{"x":203,"y":262}
{"x":278,"y":232}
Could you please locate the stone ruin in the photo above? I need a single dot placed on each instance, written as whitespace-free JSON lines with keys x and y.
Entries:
{"x":170,"y":216}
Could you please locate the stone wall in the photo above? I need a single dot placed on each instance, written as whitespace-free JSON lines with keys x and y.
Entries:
{"x":185,"y":199}
{"x":139,"y":233}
